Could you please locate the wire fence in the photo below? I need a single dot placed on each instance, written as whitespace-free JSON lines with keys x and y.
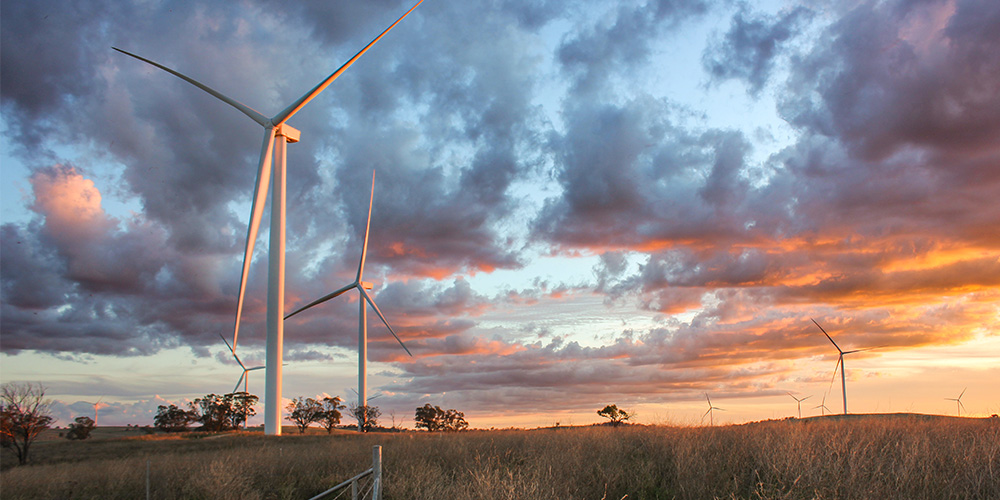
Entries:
{"x":366,"y":485}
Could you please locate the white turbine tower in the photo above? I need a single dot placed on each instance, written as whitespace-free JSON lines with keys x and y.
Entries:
{"x":840,"y":363}
{"x":244,"y":377}
{"x":799,"y":401}
{"x":709,"y":414}
{"x":365,"y":297}
{"x":277,"y":134}
{"x":958,"y":401}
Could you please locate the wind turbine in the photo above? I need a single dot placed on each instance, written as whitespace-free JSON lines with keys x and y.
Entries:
{"x":361,"y":286}
{"x":277,"y":134}
{"x":958,"y":401}
{"x":799,"y":401}
{"x":840,"y":363}
{"x":711,"y":420}
{"x":822,"y":406}
{"x":97,"y":406}
{"x":244,"y":378}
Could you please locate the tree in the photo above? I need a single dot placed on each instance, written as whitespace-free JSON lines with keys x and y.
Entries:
{"x":367,"y":416}
{"x":173,"y":419}
{"x":81,"y":428}
{"x":616,"y":416}
{"x":433,"y":418}
{"x":304,"y":411}
{"x":214,"y":412}
{"x":24,"y":414}
{"x":242,"y":408}
{"x":331,"y":413}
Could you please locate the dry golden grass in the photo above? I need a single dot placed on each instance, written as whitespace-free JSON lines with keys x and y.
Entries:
{"x":858,"y":457}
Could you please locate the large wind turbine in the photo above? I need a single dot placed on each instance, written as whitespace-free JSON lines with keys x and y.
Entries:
{"x":361,"y":286}
{"x":799,"y":401}
{"x":840,"y":363}
{"x":277,"y":134}
{"x":711,"y":421}
{"x":958,"y":401}
{"x":244,"y":377}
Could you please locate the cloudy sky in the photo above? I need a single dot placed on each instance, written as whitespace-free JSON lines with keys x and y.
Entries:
{"x":577,"y":203}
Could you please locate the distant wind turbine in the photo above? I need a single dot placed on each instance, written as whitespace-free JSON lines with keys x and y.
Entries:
{"x":97,"y":406}
{"x":361,"y":286}
{"x":958,"y":401}
{"x":244,"y":377}
{"x":840,"y":363}
{"x":799,"y":401}
{"x":277,"y":134}
{"x":822,"y":406}
{"x":709,"y":414}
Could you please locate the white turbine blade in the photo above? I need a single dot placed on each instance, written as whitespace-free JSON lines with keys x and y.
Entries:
{"x":706,"y":414}
{"x":240,"y":381}
{"x":227,"y":344}
{"x":247,"y":110}
{"x":324,"y":299}
{"x":256,"y":213}
{"x":708,"y":399}
{"x":293,"y":108}
{"x":827,"y":335}
{"x":961,"y":404}
{"x":256,"y":368}
{"x":805,"y":398}
{"x":368,"y":225}
{"x":962,"y":394}
{"x":377,"y":311}
{"x":835,"y":368}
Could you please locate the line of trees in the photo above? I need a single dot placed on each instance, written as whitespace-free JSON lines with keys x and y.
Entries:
{"x":305,"y":411}
{"x":434,"y":419}
{"x":214,"y":412}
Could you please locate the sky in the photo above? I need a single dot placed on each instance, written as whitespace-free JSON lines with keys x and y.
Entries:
{"x":577,"y":203}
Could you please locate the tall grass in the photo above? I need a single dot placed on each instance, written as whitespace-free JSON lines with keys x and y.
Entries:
{"x":860,"y":457}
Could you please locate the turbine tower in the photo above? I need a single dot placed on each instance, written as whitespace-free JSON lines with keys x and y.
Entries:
{"x":709,"y":414}
{"x":799,"y":401}
{"x":840,"y":363}
{"x":364,"y":298}
{"x":277,"y":134}
{"x":958,"y":401}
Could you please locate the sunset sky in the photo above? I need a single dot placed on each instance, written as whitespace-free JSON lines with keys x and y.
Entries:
{"x":577,"y":203}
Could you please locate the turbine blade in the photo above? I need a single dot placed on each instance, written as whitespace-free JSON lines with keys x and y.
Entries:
{"x":368,"y":225}
{"x":706,"y":414}
{"x":961,"y":404}
{"x":805,"y":398}
{"x":293,"y":108}
{"x":324,"y":299}
{"x":227,"y":344}
{"x":377,"y":311}
{"x":962,"y":394}
{"x":240,"y":381}
{"x":259,"y":368}
{"x":835,"y":368}
{"x":247,"y":110}
{"x":256,"y":212}
{"x":827,"y":335}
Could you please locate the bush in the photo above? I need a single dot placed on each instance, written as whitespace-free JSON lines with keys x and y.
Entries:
{"x":80,"y":429}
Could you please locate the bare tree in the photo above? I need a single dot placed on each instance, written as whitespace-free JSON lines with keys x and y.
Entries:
{"x":24,"y":414}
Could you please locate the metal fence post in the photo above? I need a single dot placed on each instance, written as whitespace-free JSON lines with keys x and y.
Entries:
{"x":377,"y":472}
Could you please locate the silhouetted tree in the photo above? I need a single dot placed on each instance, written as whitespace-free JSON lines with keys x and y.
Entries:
{"x":331,"y":413}
{"x":80,"y":428}
{"x":24,"y":414}
{"x":616,"y":416}
{"x":433,"y":418}
{"x":367,"y":416}
{"x":304,"y":411}
{"x":242,"y":405}
{"x":173,"y":419}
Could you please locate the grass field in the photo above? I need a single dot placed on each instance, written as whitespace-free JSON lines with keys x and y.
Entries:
{"x":855,"y":457}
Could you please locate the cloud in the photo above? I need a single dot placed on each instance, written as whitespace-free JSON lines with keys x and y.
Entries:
{"x":748,"y":50}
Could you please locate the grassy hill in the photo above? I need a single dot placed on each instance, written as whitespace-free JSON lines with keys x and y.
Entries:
{"x":900,"y":456}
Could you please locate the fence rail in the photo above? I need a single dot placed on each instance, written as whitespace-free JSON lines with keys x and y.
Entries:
{"x":376,"y":486}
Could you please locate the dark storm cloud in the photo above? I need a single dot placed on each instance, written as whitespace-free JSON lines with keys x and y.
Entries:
{"x":748,"y":50}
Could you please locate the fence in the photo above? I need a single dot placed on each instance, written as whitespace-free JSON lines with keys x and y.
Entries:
{"x":365,"y":483}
